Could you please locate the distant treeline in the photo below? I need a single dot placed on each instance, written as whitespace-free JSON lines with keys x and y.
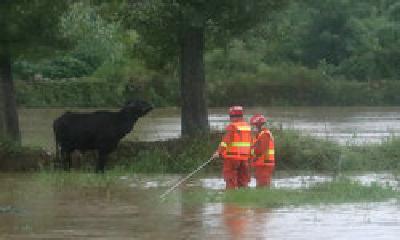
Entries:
{"x":331,"y":52}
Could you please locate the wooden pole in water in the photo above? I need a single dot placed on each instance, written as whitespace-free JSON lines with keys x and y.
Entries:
{"x":162,"y":196}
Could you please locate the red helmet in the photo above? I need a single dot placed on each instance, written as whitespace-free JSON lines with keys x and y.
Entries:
{"x":258,"y":119}
{"x":236,"y":111}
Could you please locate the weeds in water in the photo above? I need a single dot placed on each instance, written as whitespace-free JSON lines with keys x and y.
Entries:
{"x":339,"y":191}
{"x":78,"y":178}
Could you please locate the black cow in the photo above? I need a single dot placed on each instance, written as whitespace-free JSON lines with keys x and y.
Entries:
{"x":101,"y":131}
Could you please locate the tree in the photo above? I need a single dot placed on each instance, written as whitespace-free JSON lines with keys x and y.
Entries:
{"x":181,"y":28}
{"x":25,"y":25}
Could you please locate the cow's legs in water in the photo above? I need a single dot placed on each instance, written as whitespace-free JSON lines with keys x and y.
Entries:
{"x":101,"y":162}
{"x":69,"y":160}
{"x":66,"y":159}
{"x":63,"y":159}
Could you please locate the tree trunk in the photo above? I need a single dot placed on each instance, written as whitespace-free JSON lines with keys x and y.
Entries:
{"x":194,"y":118}
{"x":9,"y":126}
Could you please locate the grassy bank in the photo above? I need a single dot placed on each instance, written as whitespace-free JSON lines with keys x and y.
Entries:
{"x":17,"y":158}
{"x":293,"y":152}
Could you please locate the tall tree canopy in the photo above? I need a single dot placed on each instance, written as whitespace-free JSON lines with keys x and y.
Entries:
{"x":25,"y":26}
{"x":180,"y":28}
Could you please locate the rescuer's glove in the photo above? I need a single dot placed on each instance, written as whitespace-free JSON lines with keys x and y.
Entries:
{"x":216,"y":155}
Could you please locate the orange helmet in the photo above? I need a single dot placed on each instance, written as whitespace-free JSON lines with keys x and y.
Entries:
{"x":257,"y":120}
{"x":236,"y":111}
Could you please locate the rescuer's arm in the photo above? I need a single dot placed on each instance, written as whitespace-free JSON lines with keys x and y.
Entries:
{"x":256,"y":147}
{"x":255,"y":150}
{"x":271,"y":150}
{"x":226,"y":140}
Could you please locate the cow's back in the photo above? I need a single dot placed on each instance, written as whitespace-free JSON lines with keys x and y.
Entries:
{"x":84,"y":131}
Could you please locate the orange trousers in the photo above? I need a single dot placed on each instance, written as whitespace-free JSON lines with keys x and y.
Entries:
{"x":236,"y":173}
{"x":263,"y":175}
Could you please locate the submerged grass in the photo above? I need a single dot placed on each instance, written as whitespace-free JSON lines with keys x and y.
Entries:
{"x":335,"y":192}
{"x":78,"y":178}
{"x":341,"y":190}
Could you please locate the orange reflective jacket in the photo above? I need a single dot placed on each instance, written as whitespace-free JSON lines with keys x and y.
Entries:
{"x":263,"y":149}
{"x":236,"y":142}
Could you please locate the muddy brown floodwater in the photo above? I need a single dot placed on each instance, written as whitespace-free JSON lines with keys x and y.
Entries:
{"x":130,"y":209}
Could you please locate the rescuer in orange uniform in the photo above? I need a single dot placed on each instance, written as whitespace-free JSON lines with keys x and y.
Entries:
{"x":234,"y":149}
{"x":263,"y":152}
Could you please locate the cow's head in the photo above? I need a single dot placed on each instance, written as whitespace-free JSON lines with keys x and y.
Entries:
{"x":137,"y":108}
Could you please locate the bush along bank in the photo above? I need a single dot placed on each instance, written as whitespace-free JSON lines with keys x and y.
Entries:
{"x":305,"y":92}
{"x":257,"y":91}
{"x":14,"y":157}
{"x":91,"y":93}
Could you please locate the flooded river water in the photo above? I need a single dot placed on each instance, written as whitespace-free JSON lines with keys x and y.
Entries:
{"x":347,"y":125}
{"x":130,"y":209}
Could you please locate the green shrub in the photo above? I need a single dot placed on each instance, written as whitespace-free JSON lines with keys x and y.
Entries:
{"x":66,"y":67}
{"x":294,"y":151}
{"x":8,"y":147}
{"x":86,"y":93}
{"x":375,"y":157}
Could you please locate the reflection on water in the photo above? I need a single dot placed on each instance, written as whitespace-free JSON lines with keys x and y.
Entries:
{"x":345,"y":221}
{"x":127,"y":211}
{"x":342,"y":124}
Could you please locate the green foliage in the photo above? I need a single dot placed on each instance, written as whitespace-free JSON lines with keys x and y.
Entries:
{"x":96,"y":40}
{"x":161,"y":23}
{"x":376,"y":157}
{"x":8,"y":147}
{"x":310,"y":53}
{"x":296,"y":86}
{"x":14,"y":157}
{"x":65,"y":67}
{"x":174,"y":156}
{"x":71,"y":93}
{"x":357,"y":39}
{"x":26,"y":25}
{"x":294,"y":151}
{"x":91,"y":93}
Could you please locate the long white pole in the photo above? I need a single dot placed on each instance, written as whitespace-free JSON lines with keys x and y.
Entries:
{"x":162,"y":196}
